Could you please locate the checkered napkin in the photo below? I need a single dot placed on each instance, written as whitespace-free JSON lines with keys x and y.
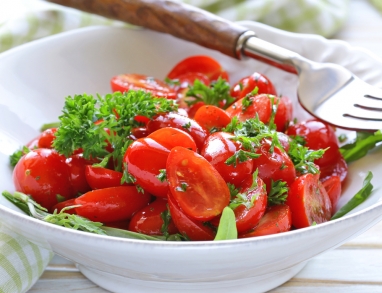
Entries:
{"x":22,"y":262}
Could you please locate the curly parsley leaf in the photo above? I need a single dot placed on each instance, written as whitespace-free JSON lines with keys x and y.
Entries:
{"x":278,"y":192}
{"x":215,"y":94}
{"x":16,"y":156}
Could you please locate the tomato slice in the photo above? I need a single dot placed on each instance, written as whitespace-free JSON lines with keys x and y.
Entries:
{"x":99,"y":178}
{"x":145,"y":158}
{"x":277,"y":219}
{"x":333,"y":187}
{"x":111,"y":204}
{"x":210,"y":117}
{"x":217,"y":149}
{"x":247,"y":84}
{"x":308,"y":201}
{"x":171,"y":137}
{"x":192,"y":229}
{"x":149,"y":220}
{"x":200,"y":64}
{"x":126,"y":82}
{"x":196,"y":186}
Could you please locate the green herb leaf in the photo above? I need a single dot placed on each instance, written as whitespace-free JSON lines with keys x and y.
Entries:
{"x":364,"y":142}
{"x":162,"y":176}
{"x":227,"y":226}
{"x":16,"y":156}
{"x":278,"y":193}
{"x":358,"y":198}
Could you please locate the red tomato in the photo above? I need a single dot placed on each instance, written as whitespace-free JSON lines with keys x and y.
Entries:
{"x":187,"y":79}
{"x":217,"y":149}
{"x":46,"y":138}
{"x":318,"y":135}
{"x":261,"y":105}
{"x":209,"y":117}
{"x":274,"y":165}
{"x":149,"y":219}
{"x":247,"y":84}
{"x":111,"y":204}
{"x":66,"y":203}
{"x":77,"y":165}
{"x":338,"y":167}
{"x":43,"y":174}
{"x":186,"y":124}
{"x":308,"y":201}
{"x":99,"y":178}
{"x":277,"y":219}
{"x":158,"y":88}
{"x":196,"y":186}
{"x":200,"y":64}
{"x":144,"y":158}
{"x":138,"y":132}
{"x":247,"y":218}
{"x":192,"y":229}
{"x":194,"y":108}
{"x":333,"y":187}
{"x":171,"y":137}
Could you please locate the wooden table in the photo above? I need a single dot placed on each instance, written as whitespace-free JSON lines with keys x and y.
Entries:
{"x":355,"y":266}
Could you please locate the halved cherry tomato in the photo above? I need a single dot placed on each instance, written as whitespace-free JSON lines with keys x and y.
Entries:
{"x":247,"y":84}
{"x":66,"y":203}
{"x":333,"y":187}
{"x":144,"y":158}
{"x":149,"y":220}
{"x":186,"y":124}
{"x":98,"y":177}
{"x":338,"y":167}
{"x":275,"y":165}
{"x":158,"y":88}
{"x":277,"y":219}
{"x":111,"y":204}
{"x":194,"y":108}
{"x":43,"y":174}
{"x":200,"y":64}
{"x":209,"y":117}
{"x":184,"y":81}
{"x":197,"y":187}
{"x":171,"y":137}
{"x":192,"y":229}
{"x":308,"y":201}
{"x":217,"y":149}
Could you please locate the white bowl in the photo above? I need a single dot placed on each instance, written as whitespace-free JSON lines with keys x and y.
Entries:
{"x":35,"y":78}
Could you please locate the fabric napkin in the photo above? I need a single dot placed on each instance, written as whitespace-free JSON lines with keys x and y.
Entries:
{"x":21,"y":21}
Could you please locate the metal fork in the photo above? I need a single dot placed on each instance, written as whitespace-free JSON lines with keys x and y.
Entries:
{"x":327,"y":91}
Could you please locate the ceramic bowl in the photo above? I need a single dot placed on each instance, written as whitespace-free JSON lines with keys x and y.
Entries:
{"x":35,"y":78}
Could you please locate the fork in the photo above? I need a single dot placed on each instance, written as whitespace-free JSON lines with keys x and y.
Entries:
{"x":327,"y":91}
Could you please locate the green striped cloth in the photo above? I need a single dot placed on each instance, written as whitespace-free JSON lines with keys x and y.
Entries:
{"x":21,"y":21}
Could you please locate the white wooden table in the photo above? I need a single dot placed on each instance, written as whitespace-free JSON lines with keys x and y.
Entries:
{"x":354,"y":267}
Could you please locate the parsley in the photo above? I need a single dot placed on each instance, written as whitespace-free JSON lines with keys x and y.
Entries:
{"x":247,"y":101}
{"x":166,"y":217}
{"x":139,"y":188}
{"x":187,"y":126}
{"x":242,"y":198}
{"x":16,"y":156}
{"x":182,"y":188}
{"x":278,"y":192}
{"x":162,"y":176}
{"x":241,"y":156}
{"x":233,"y":191}
{"x":214,"y":94}
{"x":114,"y":116}
{"x":172,"y":82}
{"x":342,"y":137}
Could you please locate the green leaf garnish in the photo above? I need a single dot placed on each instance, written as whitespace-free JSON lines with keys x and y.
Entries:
{"x":358,"y":198}
{"x":16,"y":156}
{"x":227,"y":226}
{"x":278,"y":193}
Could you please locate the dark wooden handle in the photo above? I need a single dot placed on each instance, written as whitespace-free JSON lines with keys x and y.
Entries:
{"x":178,"y":19}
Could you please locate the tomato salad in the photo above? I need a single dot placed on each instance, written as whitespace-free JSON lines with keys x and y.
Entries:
{"x":165,"y":157}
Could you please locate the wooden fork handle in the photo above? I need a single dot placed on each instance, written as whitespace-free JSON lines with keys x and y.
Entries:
{"x":174,"y":18}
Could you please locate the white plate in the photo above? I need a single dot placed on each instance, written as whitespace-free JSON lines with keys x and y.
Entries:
{"x":35,"y":78}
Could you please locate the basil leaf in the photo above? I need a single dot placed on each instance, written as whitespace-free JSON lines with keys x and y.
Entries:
{"x":357,"y":199}
{"x":227,"y":227}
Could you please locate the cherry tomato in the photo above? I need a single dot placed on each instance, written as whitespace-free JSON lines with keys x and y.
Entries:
{"x":192,"y":229}
{"x":186,"y":124}
{"x":308,"y":201}
{"x":194,"y":108}
{"x":200,"y":64}
{"x":318,"y":135}
{"x":77,"y":165}
{"x":170,"y":137}
{"x":247,"y":84}
{"x":43,"y":174}
{"x":333,"y":187}
{"x":196,"y":186}
{"x":277,"y":219}
{"x":184,"y":81}
{"x":66,"y":203}
{"x":217,"y":149}
{"x":138,"y":132}
{"x":111,"y":204}
{"x":248,"y":217}
{"x":149,"y":220}
{"x":158,"y":88}
{"x":46,"y":138}
{"x":99,"y":178}
{"x":144,"y":158}
{"x":274,"y":165}
{"x":338,"y":167}
{"x":209,"y":117}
